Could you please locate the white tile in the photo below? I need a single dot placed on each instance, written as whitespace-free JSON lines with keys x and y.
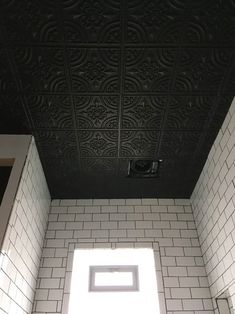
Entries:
{"x":166,"y":201}
{"x":161,"y":224}
{"x":174,"y":251}
{"x":144,"y":224}
{"x":197,"y":271}
{"x":84,"y":202}
{"x":82,"y":233}
{"x":109,"y":225}
{"x":168,"y":261}
{"x":41,"y":294}
{"x":136,"y":233}
{"x":200,"y":293}
{"x":176,"y":209}
{"x":55,"y":243}
{"x":55,"y":225}
{"x":194,"y":305}
{"x":49,"y":283}
{"x":126,"y":209}
{"x":67,"y":202}
{"x":55,"y":202}
{"x":134,"y":216}
{"x":187,"y":217}
{"x":55,"y":294}
{"x":99,"y":233}
{"x":61,"y":252}
{"x":171,"y":233}
{"x":158,"y":209}
{"x":52,"y":262}
{"x":127,"y":225}
{"x":76,"y":209}
{"x":174,"y":305}
{"x":92,"y":209}
{"x":118,"y":233}
{"x":46,"y":306}
{"x":91,"y":225}
{"x":74,"y":225}
{"x":133,"y":201}
{"x":180,"y":271}
{"x":185,"y":261}
{"x":100,"y":202}
{"x":142,"y":209}
{"x":117,"y":217}
{"x":109,"y":209}
{"x":153,"y":233}
{"x":180,"y":293}
{"x":149,"y":201}
{"x":58,"y":272}
{"x":117,"y":202}
{"x":45,"y":272}
{"x":171,"y":282}
{"x":59,"y":210}
{"x":195,"y":251}
{"x":100,"y":217}
{"x":189,"y":282}
{"x":83,"y":217}
{"x":66,"y":217}
{"x":168,"y":217}
{"x":151,"y":216}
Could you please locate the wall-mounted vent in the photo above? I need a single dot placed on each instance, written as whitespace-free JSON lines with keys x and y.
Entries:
{"x":144,"y":168}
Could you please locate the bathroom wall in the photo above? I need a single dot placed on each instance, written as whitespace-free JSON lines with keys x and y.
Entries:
{"x":213,"y":203}
{"x":22,"y":245}
{"x":166,"y":225}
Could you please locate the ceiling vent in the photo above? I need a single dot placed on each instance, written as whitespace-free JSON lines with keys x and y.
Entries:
{"x":144,"y":168}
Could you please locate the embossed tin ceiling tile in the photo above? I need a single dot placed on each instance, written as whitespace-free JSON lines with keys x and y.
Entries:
{"x":91,"y":8}
{"x":179,"y":144}
{"x":150,"y":27}
{"x":176,"y":6}
{"x":13,"y":119}
{"x":230,"y":84}
{"x":143,"y":112}
{"x":99,"y":166}
{"x":189,"y":112}
{"x":50,"y":111}
{"x":203,"y":69}
{"x":173,"y":168}
{"x":98,"y":143}
{"x":97,"y":112}
{"x":149,"y":70}
{"x":219,"y":114}
{"x":94,"y":69}
{"x":27,"y":6}
{"x":60,"y":170}
{"x":96,"y":28}
{"x":41,"y":69}
{"x":56,"y":144}
{"x":26,"y":26}
{"x":101,"y":82}
{"x":139,"y":143}
{"x":7,"y":79}
{"x":172,"y":29}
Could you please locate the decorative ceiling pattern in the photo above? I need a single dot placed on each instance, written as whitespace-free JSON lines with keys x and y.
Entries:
{"x":99,"y":83}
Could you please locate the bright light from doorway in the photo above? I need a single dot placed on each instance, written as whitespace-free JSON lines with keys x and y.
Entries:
{"x":142,"y":300}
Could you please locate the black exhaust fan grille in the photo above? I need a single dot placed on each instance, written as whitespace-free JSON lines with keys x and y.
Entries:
{"x":144,"y":168}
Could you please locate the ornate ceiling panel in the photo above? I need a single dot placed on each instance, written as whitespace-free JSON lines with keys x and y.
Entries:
{"x":99,"y":83}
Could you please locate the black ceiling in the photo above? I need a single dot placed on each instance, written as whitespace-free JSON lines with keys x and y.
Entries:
{"x":101,"y":82}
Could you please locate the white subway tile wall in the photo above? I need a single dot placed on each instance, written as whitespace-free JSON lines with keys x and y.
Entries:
{"x":165,"y":225}
{"x":23,"y":242}
{"x":213,"y":202}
